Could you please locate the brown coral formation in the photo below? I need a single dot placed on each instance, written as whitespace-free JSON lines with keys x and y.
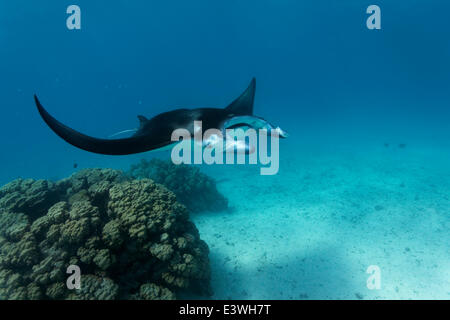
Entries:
{"x":194,"y":189}
{"x":130,"y":238}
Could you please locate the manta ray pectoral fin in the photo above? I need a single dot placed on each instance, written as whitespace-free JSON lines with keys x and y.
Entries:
{"x":156,"y":132}
{"x":243,"y":105}
{"x":135,"y":144}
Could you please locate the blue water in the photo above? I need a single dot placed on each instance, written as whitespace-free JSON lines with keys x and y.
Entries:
{"x":341,"y":91}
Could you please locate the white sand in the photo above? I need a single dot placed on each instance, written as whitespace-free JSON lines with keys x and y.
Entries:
{"x":311,"y":231}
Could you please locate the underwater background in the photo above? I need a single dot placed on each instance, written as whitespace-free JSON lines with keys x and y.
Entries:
{"x":364,"y":177}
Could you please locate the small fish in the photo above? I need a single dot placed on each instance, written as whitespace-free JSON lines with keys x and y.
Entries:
{"x":75,"y":165}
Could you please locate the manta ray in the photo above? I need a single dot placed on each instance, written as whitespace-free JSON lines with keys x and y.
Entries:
{"x":156,"y":133}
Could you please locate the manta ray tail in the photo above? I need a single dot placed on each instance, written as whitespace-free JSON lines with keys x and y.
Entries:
{"x":244,"y":104}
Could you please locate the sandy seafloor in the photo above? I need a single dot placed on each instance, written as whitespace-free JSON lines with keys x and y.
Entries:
{"x":312,"y":230}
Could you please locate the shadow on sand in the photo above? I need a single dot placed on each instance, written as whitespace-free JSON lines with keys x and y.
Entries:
{"x":322,"y":274}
